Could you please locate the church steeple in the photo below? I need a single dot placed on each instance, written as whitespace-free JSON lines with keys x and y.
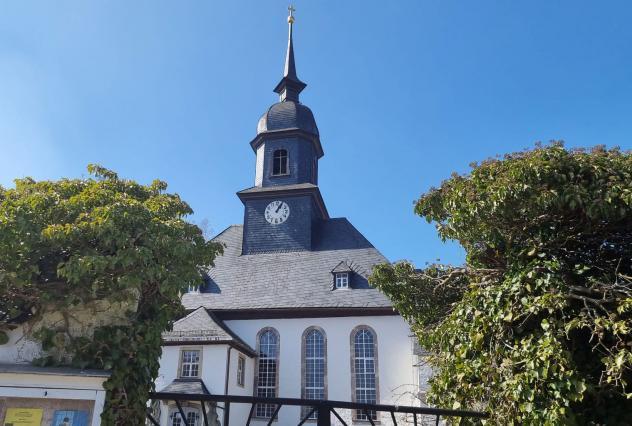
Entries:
{"x":290,"y":86}
{"x":285,"y":204}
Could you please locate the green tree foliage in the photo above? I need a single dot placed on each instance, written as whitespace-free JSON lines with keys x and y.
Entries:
{"x":536,"y":327}
{"x":106,"y":242}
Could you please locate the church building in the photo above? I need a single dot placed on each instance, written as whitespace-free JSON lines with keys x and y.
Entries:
{"x":287,"y":310}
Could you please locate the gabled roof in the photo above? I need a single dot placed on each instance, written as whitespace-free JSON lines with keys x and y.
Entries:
{"x":342,"y":267}
{"x":292,"y":280}
{"x":202,"y":327}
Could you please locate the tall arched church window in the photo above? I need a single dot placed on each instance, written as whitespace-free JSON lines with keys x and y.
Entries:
{"x":314,"y":367}
{"x":280,"y":163}
{"x":267,"y":377}
{"x":364,"y":376}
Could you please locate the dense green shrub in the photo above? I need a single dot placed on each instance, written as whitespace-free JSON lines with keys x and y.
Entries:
{"x":536,"y":327}
{"x":94,"y":269}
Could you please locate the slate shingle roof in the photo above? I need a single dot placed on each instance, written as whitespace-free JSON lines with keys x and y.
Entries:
{"x":188,"y":386}
{"x":301,"y":279}
{"x":287,"y":115}
{"x":342,"y":267}
{"x":203,"y":327}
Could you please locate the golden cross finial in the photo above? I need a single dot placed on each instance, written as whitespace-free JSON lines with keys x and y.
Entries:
{"x":290,"y":19}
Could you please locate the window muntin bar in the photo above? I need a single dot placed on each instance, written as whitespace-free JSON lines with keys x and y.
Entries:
{"x":190,"y":363}
{"x":267,"y":372}
{"x":314,"y":367}
{"x":364,"y":361}
{"x":280,"y":162}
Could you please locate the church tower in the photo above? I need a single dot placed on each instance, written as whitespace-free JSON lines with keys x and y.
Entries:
{"x":284,"y":205}
{"x":288,"y":306}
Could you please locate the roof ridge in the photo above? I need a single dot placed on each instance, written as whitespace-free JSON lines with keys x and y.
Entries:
{"x":190,"y":314}
{"x":226,"y":229}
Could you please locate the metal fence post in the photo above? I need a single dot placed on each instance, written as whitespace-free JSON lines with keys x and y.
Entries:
{"x":226,"y":413}
{"x":324,"y":416}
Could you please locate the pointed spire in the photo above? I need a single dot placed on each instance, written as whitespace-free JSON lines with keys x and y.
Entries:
{"x":290,"y":66}
{"x":290,"y":86}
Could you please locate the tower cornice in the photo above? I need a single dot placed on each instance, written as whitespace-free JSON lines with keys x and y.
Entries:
{"x":285,"y":133}
{"x":297,"y":190}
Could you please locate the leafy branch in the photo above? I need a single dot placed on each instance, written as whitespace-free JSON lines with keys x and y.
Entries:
{"x":536,"y":327}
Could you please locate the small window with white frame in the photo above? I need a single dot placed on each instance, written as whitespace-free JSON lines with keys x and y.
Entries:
{"x":241,"y":371}
{"x":192,"y":417}
{"x":190,"y":363}
{"x":342,"y":280}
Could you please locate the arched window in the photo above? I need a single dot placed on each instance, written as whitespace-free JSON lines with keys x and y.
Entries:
{"x":314,"y":368}
{"x":280,"y":163}
{"x":267,"y":379}
{"x":364,"y":378}
{"x":192,"y":417}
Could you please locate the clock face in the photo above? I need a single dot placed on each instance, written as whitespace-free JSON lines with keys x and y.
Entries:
{"x":277,"y":212}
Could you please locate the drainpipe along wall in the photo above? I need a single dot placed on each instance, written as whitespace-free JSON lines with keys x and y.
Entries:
{"x":227,"y":412}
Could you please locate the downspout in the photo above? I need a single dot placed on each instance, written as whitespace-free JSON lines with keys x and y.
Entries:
{"x":226,"y":412}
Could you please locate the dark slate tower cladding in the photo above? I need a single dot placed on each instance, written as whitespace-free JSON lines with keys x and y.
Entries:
{"x":285,"y":204}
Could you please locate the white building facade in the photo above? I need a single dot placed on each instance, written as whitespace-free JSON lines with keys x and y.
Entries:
{"x":348,"y":358}
{"x":287,"y":310}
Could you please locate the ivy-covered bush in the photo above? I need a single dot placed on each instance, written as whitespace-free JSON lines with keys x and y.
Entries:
{"x":93,"y":269}
{"x":536,"y":327}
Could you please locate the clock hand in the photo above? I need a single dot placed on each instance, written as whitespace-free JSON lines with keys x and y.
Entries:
{"x":278,"y":208}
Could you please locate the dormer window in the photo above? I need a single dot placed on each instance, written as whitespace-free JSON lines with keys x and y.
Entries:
{"x":342,"y":276}
{"x":280,"y":163}
{"x":193,"y":288}
{"x":342,"y":280}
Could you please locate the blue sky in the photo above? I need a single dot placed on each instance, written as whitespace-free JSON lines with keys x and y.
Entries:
{"x":404,"y":94}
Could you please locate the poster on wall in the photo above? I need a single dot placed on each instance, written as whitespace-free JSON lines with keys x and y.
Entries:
{"x":70,"y":418}
{"x":23,"y":417}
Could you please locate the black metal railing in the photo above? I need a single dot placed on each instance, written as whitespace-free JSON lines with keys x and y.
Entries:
{"x":323,"y":408}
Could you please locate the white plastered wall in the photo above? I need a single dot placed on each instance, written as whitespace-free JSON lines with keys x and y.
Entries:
{"x":259,"y":165}
{"x":396,"y":373}
{"x":212,"y":372}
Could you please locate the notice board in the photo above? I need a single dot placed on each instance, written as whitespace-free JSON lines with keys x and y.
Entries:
{"x":23,"y":417}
